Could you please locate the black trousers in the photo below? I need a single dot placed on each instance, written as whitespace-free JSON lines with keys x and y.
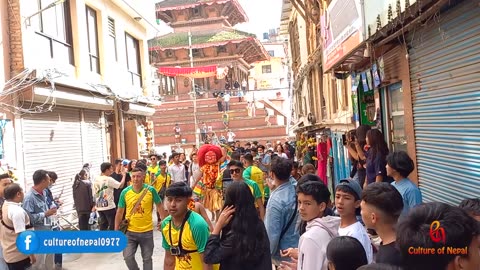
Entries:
{"x":83,"y":221}
{"x":108,"y":219}
{"x":21,"y":265}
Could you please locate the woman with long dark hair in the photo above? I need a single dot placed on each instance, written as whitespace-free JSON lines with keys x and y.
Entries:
{"x":239,"y":239}
{"x":376,"y":157}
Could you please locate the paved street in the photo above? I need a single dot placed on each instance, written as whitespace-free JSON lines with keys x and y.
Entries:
{"x":112,"y":260}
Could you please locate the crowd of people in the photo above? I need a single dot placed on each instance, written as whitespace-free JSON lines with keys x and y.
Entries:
{"x":251,"y":207}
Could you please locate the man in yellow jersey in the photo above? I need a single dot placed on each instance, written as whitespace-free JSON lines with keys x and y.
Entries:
{"x":140,"y":226}
{"x":185,"y":233}
{"x":236,"y":171}
{"x":154,"y":168}
{"x":253,"y":173}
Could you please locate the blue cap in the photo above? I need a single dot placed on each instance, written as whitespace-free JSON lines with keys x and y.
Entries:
{"x":125,"y":162}
{"x":352,"y":184}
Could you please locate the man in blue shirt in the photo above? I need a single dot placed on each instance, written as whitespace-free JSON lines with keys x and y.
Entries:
{"x":399,"y":166}
{"x":281,"y":215}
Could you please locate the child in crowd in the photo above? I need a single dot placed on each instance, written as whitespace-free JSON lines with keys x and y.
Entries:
{"x":472,"y":207}
{"x":313,"y":198}
{"x":399,"y":166}
{"x":343,"y":247}
{"x":381,"y":206}
{"x":347,"y":201}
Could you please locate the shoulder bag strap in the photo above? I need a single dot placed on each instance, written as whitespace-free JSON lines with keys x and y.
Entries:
{"x":137,"y":204}
{"x":289,"y":221}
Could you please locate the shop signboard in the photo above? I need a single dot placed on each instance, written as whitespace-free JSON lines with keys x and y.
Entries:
{"x":342,"y":29}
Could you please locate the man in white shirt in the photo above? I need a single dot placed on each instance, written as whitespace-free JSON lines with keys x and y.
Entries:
{"x":230,"y":136}
{"x":226,"y":99}
{"x":103,"y":187}
{"x":5,"y":181}
{"x":177,"y":169}
{"x":14,"y":221}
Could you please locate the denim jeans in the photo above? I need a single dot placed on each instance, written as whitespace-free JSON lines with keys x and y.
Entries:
{"x":145,"y":240}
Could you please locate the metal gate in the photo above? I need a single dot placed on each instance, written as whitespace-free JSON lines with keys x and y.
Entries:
{"x":94,"y":139}
{"x":445,"y":80}
{"x":53,"y":141}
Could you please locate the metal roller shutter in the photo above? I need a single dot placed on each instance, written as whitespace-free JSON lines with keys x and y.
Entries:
{"x":52,"y":141}
{"x":445,"y":80}
{"x":94,"y":141}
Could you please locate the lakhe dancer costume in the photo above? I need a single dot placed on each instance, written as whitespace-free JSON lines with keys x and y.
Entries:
{"x":209,"y":159}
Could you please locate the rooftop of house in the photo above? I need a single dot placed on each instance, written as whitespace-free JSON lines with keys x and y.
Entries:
{"x":236,"y":13}
{"x":180,"y":40}
{"x":219,"y":37}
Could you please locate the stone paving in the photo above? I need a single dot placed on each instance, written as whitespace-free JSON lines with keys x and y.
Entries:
{"x":102,"y":261}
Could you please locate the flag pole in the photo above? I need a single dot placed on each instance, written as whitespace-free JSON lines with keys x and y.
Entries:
{"x":197,"y":141}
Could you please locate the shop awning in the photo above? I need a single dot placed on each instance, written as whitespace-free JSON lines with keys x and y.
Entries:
{"x":190,"y":72}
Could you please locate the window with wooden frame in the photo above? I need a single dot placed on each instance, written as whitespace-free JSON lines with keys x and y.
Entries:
{"x":197,"y":52}
{"x":169,"y":53}
{"x":92,"y":36}
{"x":53,"y":30}
{"x":267,"y":69}
{"x":196,"y":12}
{"x":133,"y":60}
{"x":112,"y":40}
{"x":221,"y":49}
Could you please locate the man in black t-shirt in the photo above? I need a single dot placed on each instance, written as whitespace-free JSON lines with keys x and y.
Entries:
{"x":381,"y":206}
{"x":117,"y":175}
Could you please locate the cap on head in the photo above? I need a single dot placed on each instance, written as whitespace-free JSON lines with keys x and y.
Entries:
{"x":353,"y":185}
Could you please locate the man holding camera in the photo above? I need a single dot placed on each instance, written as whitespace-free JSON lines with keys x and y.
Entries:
{"x":185,"y":233}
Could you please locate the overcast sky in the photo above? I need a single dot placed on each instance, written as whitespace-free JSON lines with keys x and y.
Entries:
{"x":262,"y":14}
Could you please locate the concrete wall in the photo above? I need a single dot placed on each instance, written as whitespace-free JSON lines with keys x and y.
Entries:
{"x":9,"y":150}
{"x":113,"y":73}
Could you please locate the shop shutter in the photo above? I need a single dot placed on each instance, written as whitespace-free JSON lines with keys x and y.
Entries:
{"x":445,"y":80}
{"x":52,"y":141}
{"x":94,"y":139}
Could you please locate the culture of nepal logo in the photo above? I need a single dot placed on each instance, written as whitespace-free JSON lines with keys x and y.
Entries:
{"x":438,"y":235}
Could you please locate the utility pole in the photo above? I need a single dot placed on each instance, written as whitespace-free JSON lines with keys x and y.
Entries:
{"x":194,"y":93}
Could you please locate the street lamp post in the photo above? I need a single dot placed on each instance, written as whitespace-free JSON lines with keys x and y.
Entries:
{"x":194,"y":93}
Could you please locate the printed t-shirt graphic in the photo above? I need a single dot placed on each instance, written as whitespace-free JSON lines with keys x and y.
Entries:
{"x":141,"y":220}
{"x":194,"y":237}
{"x":103,"y":187}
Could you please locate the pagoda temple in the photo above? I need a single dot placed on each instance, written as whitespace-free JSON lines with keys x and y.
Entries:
{"x":214,"y":43}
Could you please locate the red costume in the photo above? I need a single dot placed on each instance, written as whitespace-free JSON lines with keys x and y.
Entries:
{"x":209,"y":157}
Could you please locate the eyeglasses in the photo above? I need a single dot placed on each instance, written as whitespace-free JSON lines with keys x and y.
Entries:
{"x":237,"y":170}
{"x":153,"y":159}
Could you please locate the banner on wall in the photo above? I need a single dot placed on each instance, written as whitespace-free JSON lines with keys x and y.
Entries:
{"x":189,"y":72}
{"x":342,"y":30}
{"x":376,"y":76}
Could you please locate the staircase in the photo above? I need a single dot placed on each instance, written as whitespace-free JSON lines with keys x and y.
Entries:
{"x":246,"y":128}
